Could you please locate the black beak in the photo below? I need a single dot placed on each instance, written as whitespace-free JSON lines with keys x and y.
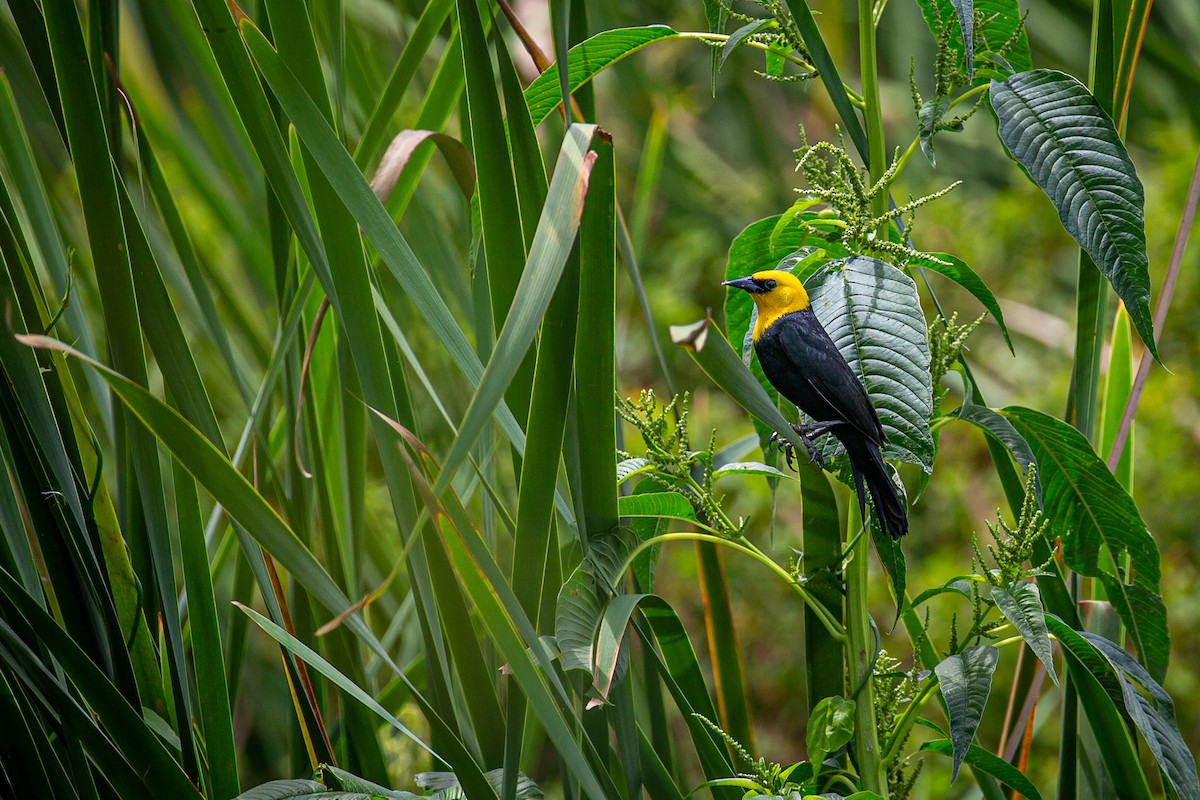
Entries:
{"x":745,"y":284}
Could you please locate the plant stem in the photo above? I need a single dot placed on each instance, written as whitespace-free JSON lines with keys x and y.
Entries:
{"x":861,"y":645}
{"x":860,"y":658}
{"x":873,"y":109}
{"x":832,"y":625}
{"x":855,"y":98}
{"x":906,"y":721}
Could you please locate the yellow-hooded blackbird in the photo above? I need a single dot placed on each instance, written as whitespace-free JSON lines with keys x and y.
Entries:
{"x":803,"y":363}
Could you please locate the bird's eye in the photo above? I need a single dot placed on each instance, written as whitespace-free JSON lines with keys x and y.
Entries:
{"x":769,"y":284}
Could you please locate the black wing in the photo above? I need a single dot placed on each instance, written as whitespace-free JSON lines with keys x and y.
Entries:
{"x":803,"y":363}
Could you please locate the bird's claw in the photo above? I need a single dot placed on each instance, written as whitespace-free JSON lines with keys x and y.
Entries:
{"x":789,"y":450}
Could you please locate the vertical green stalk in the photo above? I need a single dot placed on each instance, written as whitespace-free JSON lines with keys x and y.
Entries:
{"x":861,"y":643}
{"x":869,"y":68}
{"x":1083,"y":400}
{"x":823,"y":654}
{"x":858,"y":614}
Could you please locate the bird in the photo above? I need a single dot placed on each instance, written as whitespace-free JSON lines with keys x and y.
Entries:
{"x":804,"y":365}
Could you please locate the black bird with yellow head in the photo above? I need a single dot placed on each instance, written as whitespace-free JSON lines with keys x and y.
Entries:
{"x":805,"y":366}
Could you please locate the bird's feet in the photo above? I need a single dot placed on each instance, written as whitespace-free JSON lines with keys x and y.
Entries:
{"x":806,"y":434}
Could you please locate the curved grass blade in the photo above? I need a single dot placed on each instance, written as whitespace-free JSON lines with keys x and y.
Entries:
{"x":547,"y":258}
{"x":314,"y":660}
{"x":1153,"y":716}
{"x":825,"y":65}
{"x":136,"y":741}
{"x":1100,"y":697}
{"x":227,"y":486}
{"x":415,"y":48}
{"x":989,"y":763}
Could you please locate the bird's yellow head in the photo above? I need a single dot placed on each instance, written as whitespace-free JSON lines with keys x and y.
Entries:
{"x":775,"y":293}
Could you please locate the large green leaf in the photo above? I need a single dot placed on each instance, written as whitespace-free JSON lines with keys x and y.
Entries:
{"x":1153,"y":716}
{"x":1055,"y":129}
{"x":1101,"y":699}
{"x":871,"y":311}
{"x":586,"y":594}
{"x":1021,"y":604}
{"x":966,"y":681}
{"x":657,"y":504}
{"x":1089,"y":509}
{"x":586,"y":59}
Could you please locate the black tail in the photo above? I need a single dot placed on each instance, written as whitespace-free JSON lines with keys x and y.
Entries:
{"x":868,"y":466}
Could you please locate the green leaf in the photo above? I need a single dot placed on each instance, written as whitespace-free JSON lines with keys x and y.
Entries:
{"x":585,"y":60}
{"x":966,"y":681}
{"x":740,"y":36}
{"x":999,"y":428}
{"x":956,"y":586}
{"x":610,"y":658}
{"x":646,"y":528}
{"x":989,"y":763}
{"x":632,"y":466}
{"x":1001,"y":20}
{"x":594,"y":482}
{"x":1090,"y":510}
{"x":585,"y":596}
{"x":1101,"y":698}
{"x":444,"y":782}
{"x":830,"y":727}
{"x":930,"y":114}
{"x":658,"y":504}
{"x":1054,"y":128}
{"x":681,"y":674}
{"x":964,"y":9}
{"x":348,"y":782}
{"x":750,"y":468}
{"x":1021,"y":604}
{"x":872,"y":313}
{"x":958,"y":271}
{"x":1153,"y":716}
